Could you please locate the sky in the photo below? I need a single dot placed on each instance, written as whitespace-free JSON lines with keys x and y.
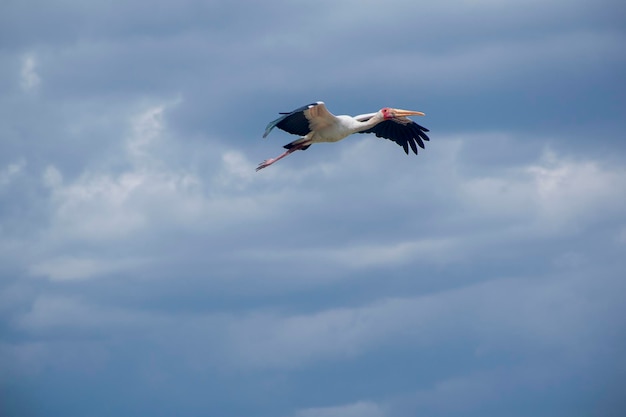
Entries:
{"x":147,"y":269}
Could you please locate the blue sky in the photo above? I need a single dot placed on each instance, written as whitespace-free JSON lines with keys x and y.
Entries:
{"x":147,"y":269}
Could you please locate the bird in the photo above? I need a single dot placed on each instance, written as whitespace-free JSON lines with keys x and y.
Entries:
{"x":315,"y":124}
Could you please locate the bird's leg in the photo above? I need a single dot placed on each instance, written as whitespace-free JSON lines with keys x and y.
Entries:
{"x":270,"y":161}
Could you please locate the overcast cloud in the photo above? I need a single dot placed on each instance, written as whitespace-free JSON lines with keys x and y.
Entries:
{"x":147,"y":269}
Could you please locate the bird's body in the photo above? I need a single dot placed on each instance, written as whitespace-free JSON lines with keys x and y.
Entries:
{"x":344,"y":126}
{"x":315,"y":124}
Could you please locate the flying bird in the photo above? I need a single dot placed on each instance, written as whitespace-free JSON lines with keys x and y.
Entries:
{"x":315,"y":124}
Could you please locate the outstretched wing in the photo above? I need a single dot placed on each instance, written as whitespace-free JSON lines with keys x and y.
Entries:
{"x":403,"y":131}
{"x":303,"y":120}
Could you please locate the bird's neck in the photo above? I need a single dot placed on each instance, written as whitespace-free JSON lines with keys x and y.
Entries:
{"x":369,"y":123}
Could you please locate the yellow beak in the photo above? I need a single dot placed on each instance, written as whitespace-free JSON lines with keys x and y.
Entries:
{"x":404,"y":113}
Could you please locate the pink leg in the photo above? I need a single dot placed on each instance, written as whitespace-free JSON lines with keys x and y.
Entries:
{"x":269,"y":162}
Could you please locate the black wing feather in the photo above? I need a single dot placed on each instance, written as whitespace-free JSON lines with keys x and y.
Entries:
{"x":293,"y":122}
{"x":411,"y":141}
{"x":417,"y":135}
{"x":404,"y":134}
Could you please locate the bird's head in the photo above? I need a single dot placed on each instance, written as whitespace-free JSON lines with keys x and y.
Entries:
{"x":391,"y":113}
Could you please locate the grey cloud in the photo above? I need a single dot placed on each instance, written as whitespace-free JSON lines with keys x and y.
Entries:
{"x":146,"y":268}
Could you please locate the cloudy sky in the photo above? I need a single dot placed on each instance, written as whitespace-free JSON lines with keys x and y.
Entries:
{"x":146,"y":269}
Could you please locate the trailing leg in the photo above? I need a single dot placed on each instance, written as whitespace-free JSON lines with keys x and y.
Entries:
{"x":292,"y":147}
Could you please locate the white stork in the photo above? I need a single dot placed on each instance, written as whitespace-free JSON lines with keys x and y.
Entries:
{"x":315,"y":124}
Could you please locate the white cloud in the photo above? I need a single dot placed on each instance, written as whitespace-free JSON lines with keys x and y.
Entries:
{"x":536,"y":316}
{"x":52,"y":177}
{"x":568,"y":189}
{"x":553,"y":195}
{"x":146,"y":127}
{"x":12,"y":170}
{"x":154,"y":197}
{"x":150,"y":197}
{"x":473,"y":391}
{"x":357,"y":255}
{"x":51,"y":313}
{"x":101,"y":205}
{"x":358,"y":409}
{"x":69,"y":268}
{"x":29,"y":78}
{"x":96,"y":207}
{"x":435,"y":211}
{"x":237,"y":171}
{"x":459,"y":393}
